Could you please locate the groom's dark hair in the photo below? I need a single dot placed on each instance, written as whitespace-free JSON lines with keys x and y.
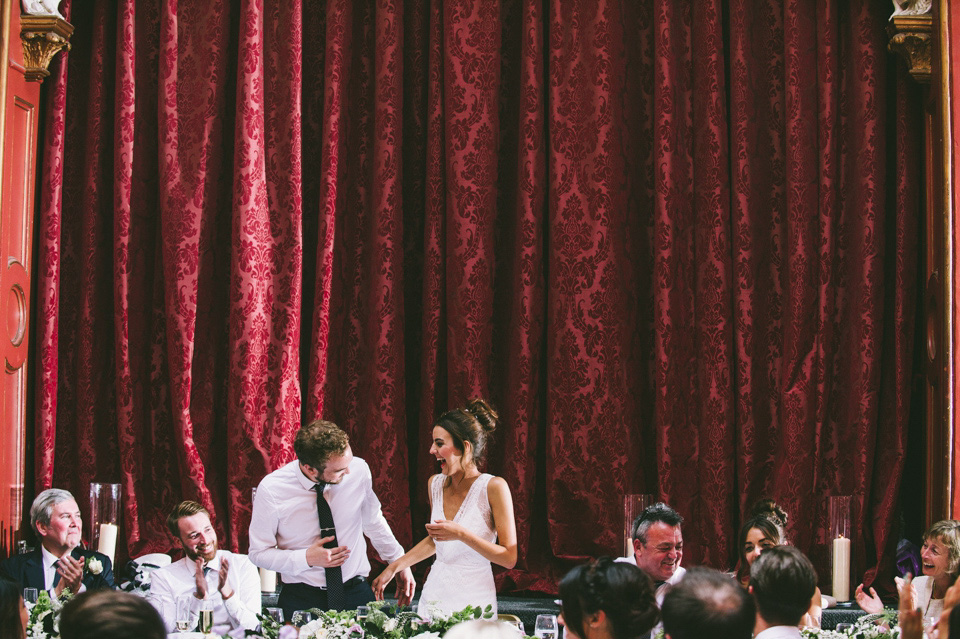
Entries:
{"x":318,"y":441}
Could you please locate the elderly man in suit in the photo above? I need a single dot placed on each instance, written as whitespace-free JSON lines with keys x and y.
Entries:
{"x":59,"y":563}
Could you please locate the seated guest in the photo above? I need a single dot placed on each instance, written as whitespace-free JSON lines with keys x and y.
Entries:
{"x":658,"y":546}
{"x":607,"y":600}
{"x":59,"y":563}
{"x":110,"y":615}
{"x":206,"y":572}
{"x":782,"y":581}
{"x":765,"y":529}
{"x":13,"y":614}
{"x":707,"y":603}
{"x":940,"y":561}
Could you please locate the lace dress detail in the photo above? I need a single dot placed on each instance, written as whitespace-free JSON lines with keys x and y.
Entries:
{"x":460,"y":576}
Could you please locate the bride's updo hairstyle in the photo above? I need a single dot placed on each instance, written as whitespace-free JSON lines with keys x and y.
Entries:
{"x":620,"y":589}
{"x":771,"y":520}
{"x":473,"y":423}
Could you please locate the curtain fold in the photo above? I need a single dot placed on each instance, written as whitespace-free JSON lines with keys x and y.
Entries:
{"x":674,"y":243}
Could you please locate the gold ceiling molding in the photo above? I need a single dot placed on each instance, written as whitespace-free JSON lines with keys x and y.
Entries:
{"x":911,"y":36}
{"x":43,"y":37}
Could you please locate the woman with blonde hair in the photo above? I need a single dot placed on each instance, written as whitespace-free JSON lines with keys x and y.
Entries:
{"x":940,"y":565}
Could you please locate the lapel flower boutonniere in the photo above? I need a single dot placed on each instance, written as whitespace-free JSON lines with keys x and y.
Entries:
{"x":94,"y":566}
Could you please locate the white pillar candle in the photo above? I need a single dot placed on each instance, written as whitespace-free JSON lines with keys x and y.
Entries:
{"x":108,"y":540}
{"x":841,"y":569}
{"x":268,"y":580}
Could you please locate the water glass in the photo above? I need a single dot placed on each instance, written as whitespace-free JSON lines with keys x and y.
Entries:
{"x":545,"y":627}
{"x":183,"y":612}
{"x":302,"y":617}
{"x":276,"y":614}
{"x":362,"y":612}
{"x":30,"y":596}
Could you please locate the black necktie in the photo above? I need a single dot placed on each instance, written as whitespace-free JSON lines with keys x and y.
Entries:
{"x":56,"y":575}
{"x":335,"y":597}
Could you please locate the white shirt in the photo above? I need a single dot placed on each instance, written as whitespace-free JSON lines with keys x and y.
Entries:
{"x":665,"y":586}
{"x":50,"y":571}
{"x":780,"y":632}
{"x":284,"y":523}
{"x":232,"y":616}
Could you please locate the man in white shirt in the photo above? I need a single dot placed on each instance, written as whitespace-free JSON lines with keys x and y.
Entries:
{"x":285,"y":530}
{"x":60,"y":563}
{"x":782,"y":581}
{"x":708,"y":603}
{"x":658,"y":547}
{"x":229,"y":583}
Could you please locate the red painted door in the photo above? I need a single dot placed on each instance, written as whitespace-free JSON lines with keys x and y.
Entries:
{"x":18,"y":166}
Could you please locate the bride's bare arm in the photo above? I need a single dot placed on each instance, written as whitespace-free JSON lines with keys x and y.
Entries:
{"x":504,"y":551}
{"x":423,"y":550}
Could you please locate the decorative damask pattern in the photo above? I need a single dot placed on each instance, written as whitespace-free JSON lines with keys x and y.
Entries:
{"x":660,"y":236}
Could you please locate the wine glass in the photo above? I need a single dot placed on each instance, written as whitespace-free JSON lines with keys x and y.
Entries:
{"x":545,"y":627}
{"x":206,"y":616}
{"x":184,"y":612}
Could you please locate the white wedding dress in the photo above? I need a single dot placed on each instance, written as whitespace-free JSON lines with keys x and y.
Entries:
{"x":460,"y":576}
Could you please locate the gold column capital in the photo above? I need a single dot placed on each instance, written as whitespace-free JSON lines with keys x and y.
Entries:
{"x":43,"y":36}
{"x":911,"y":38}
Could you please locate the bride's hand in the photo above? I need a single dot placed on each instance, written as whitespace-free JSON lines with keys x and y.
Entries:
{"x":444,"y":530}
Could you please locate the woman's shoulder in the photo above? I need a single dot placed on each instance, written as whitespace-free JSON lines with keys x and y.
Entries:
{"x":496,"y":486}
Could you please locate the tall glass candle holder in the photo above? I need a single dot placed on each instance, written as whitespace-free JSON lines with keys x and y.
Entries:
{"x":840,"y":534}
{"x":104,"y":518}
{"x":633,"y":505}
{"x":268,"y":578}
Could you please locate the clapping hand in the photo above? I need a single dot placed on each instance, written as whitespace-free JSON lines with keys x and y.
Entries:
{"x":869,"y":603}
{"x":911,"y":621}
{"x":200,"y":580}
{"x":224,"y":586}
{"x":71,"y":574}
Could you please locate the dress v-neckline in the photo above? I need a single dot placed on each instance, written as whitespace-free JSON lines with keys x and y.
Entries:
{"x":463,"y":503}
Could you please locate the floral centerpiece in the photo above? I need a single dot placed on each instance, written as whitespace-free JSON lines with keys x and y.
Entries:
{"x":44,"y":620}
{"x":383,"y":621}
{"x":882,"y":625}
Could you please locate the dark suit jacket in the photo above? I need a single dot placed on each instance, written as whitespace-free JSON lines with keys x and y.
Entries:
{"x":27,"y":570}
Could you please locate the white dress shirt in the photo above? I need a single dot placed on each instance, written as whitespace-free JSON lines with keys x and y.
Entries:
{"x":780,"y":632}
{"x":665,"y":586}
{"x":233,"y":616}
{"x":50,"y":571}
{"x":284,"y":523}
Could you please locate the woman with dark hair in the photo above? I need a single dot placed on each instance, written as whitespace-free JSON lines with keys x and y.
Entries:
{"x":110,"y":614}
{"x":13,"y":614}
{"x":606,"y":599}
{"x":471,"y":518}
{"x":940,"y":561}
{"x":766,"y":529}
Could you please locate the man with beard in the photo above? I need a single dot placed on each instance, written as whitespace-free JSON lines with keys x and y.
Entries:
{"x":229,"y":581}
{"x":309,"y":521}
{"x":60,"y":563}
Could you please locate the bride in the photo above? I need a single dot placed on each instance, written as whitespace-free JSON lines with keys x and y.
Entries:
{"x":471,"y":518}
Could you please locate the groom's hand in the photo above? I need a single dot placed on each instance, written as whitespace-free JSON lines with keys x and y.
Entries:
{"x":317,"y":555}
{"x":406,"y":585}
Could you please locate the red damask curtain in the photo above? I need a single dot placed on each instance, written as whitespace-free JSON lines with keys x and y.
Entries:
{"x":674,"y":242}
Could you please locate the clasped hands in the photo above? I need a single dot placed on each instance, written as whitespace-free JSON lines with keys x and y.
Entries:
{"x":71,"y":574}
